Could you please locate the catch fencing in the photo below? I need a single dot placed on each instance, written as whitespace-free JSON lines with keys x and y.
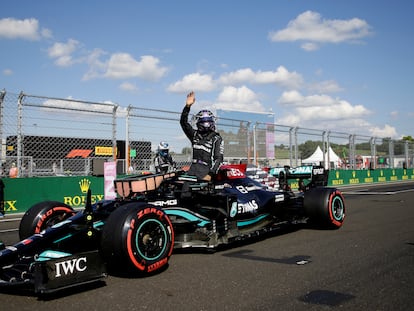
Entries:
{"x":46,"y":136}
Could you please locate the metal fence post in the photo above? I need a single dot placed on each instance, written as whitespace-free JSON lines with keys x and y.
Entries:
{"x":373,"y":164}
{"x":406,"y":154}
{"x":391,"y":152}
{"x":291,"y":146}
{"x":328,"y":144}
{"x":2,"y":140}
{"x":326,"y":161}
{"x":296,"y":146}
{"x":19,"y":133}
{"x":115,"y":107}
{"x":127,"y":149}
{"x":254,"y":144}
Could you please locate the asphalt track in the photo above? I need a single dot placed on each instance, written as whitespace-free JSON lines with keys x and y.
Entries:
{"x":368,"y":264}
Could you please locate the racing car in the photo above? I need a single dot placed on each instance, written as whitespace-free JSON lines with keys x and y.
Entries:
{"x":154,"y":214}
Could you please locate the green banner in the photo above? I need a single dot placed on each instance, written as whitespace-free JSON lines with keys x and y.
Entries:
{"x":355,"y":177}
{"x":21,"y":193}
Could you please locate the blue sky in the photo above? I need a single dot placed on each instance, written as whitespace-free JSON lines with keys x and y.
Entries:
{"x":335,"y":65}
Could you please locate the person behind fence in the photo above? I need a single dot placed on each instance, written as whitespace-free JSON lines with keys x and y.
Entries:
{"x":163,"y":161}
{"x":208,"y":147}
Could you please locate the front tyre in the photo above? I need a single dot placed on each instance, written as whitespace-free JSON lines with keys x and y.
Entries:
{"x":139,"y":237}
{"x":42,"y":216}
{"x":325,"y":207}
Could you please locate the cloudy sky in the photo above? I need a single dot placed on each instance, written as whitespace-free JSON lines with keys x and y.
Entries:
{"x":336,"y":65}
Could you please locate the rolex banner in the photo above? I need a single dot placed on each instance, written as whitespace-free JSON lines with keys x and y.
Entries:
{"x":21,"y":193}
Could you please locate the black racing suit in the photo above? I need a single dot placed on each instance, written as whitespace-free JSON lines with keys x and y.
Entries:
{"x":208,"y":148}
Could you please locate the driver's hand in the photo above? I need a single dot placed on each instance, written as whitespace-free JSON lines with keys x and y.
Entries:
{"x":207,"y":178}
{"x":190,"y":99}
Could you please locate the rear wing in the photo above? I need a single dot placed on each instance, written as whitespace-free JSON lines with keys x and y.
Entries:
{"x":308,"y":176}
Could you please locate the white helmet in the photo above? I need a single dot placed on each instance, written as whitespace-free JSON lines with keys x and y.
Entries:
{"x":163,"y":148}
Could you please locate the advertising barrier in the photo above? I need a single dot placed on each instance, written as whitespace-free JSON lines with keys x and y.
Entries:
{"x":339,"y":178}
{"x":21,"y":193}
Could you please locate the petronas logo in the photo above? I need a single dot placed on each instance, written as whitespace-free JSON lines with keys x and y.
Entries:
{"x":84,"y":185}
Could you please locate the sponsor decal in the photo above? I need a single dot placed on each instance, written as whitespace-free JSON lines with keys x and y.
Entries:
{"x":233,"y":209}
{"x":103,"y":151}
{"x":84,"y":185}
{"x":247,"y":207}
{"x":318,"y":171}
{"x":279,"y":198}
{"x":80,"y":200}
{"x":172,"y":202}
{"x":149,"y":210}
{"x":10,"y":206}
{"x":302,"y":170}
{"x":234,"y":173}
{"x":70,"y":266}
{"x":157,"y":265}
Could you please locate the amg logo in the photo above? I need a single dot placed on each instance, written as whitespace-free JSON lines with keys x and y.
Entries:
{"x":70,"y":266}
{"x":165,"y":203}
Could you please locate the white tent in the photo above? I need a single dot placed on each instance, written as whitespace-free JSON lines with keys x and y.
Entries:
{"x":317,"y":158}
{"x":333,"y":159}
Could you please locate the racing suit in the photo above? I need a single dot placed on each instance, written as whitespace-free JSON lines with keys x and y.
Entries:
{"x":208,"y":148}
{"x":164,"y":164}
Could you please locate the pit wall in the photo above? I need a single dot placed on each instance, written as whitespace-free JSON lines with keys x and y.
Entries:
{"x":21,"y":193}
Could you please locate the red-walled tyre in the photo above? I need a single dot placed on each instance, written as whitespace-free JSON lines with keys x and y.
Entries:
{"x":325,"y":207}
{"x":137,"y":237}
{"x":43,"y":215}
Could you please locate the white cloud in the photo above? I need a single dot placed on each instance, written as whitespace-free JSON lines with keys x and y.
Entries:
{"x":27,"y":29}
{"x":311,"y":28}
{"x":314,"y":110}
{"x":195,"y":82}
{"x":96,"y":67}
{"x":394,"y":114}
{"x":7,"y":72}
{"x":281,"y":77}
{"x":123,"y":66}
{"x":386,"y":131}
{"x":62,"y":52}
{"x":240,"y":99}
{"x":129,"y":87}
{"x":310,"y":46}
{"x":327,"y":86}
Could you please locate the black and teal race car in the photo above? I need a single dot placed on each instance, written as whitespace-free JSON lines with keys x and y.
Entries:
{"x":154,"y":214}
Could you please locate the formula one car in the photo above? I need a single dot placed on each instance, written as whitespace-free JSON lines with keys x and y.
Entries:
{"x":154,"y":214}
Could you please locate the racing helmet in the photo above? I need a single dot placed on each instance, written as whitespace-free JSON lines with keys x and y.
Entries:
{"x":206,"y":121}
{"x":163,"y":148}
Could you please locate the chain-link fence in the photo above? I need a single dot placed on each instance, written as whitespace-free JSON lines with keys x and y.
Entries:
{"x":44,"y":136}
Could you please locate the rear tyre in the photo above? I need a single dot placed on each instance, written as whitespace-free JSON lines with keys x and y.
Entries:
{"x":138,"y":237}
{"x":42,"y":216}
{"x":325,"y":207}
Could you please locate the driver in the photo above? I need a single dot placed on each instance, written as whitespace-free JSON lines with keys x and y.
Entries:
{"x":207,"y":144}
{"x":163,"y":161}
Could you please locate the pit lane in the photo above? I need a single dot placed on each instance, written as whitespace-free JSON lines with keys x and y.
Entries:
{"x":368,"y":264}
